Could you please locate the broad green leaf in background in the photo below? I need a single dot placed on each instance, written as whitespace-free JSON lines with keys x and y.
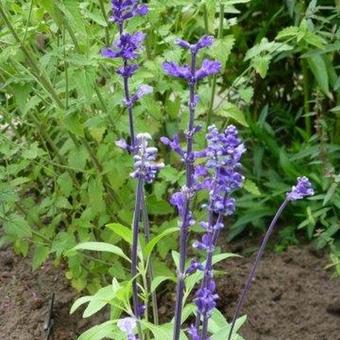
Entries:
{"x":319,"y":69}
{"x":101,"y":246}
{"x":230,"y":110}
{"x":124,"y":232}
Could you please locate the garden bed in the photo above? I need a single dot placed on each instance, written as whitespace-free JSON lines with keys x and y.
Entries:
{"x":293,"y":298}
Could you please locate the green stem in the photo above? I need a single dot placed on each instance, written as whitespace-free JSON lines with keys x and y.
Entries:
{"x":205,"y":17}
{"x":66,"y":70}
{"x":306,"y":94}
{"x":107,"y":32}
{"x":150,"y":274}
{"x":213,"y":87}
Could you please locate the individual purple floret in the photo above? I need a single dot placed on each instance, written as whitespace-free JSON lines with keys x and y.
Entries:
{"x":145,"y":166}
{"x":141,"y":92}
{"x":194,"y":266}
{"x":174,"y":70}
{"x":127,"y":325}
{"x":126,"y":46}
{"x":208,"y":68}
{"x":303,"y":188}
{"x":189,"y":72}
{"x":205,"y":299}
{"x":125,"y":9}
{"x":203,"y":42}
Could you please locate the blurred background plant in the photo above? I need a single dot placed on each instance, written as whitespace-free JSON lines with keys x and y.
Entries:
{"x":63,"y":181}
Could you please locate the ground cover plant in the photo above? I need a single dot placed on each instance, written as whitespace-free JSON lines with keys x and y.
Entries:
{"x":64,"y":181}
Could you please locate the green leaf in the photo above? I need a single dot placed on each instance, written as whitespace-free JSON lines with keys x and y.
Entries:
{"x":193,"y":279}
{"x":104,"y":296}
{"x":124,"y":232}
{"x":39,"y":256}
{"x":222,"y":48}
{"x":261,"y":65}
{"x":160,"y":279}
{"x":95,"y":193}
{"x":175,"y":257}
{"x":162,"y":331}
{"x":230,"y":110}
{"x":79,"y":302}
{"x":98,"y":332}
{"x":149,"y":247}
{"x":251,"y":187}
{"x":63,"y":242}
{"x":65,"y":183}
{"x":101,"y":246}
{"x":319,"y":70}
{"x":223,"y":332}
{"x":17,"y":226}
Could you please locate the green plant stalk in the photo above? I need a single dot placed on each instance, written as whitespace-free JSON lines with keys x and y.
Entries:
{"x":28,"y":20}
{"x":306,"y":94}
{"x":134,"y":251}
{"x":254,"y":267}
{"x":213,"y":86}
{"x":205,"y":17}
{"x":150,"y":274}
{"x":107,"y":31}
{"x":66,"y":70}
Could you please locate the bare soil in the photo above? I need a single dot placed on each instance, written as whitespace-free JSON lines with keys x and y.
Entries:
{"x":292,"y":298}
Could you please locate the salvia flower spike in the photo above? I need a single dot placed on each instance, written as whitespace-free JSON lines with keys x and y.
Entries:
{"x":127,"y":47}
{"x":220,"y":176}
{"x":182,"y":199}
{"x":145,"y":170}
{"x":145,"y":167}
{"x":302,"y":189}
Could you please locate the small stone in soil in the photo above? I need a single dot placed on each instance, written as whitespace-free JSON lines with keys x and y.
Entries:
{"x":37,"y":303}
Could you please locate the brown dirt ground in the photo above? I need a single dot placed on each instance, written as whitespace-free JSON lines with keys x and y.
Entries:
{"x":292,"y":298}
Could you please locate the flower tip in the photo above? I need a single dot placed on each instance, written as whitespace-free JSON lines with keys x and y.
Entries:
{"x":303,"y":188}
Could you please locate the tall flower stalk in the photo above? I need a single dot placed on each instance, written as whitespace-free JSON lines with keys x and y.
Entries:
{"x":145,"y":170}
{"x":220,"y":176}
{"x":127,"y":48}
{"x":302,"y":189}
{"x":182,"y":199}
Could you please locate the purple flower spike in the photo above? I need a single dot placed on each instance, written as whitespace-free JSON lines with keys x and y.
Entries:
{"x":208,"y":68}
{"x":125,"y":9}
{"x":174,"y":144}
{"x":145,"y":166}
{"x":205,"y":299}
{"x":303,"y":188}
{"x":141,"y":92}
{"x":205,"y":41}
{"x":126,"y":46}
{"x":121,"y":143}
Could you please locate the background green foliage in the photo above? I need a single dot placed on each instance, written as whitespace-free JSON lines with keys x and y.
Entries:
{"x":62,"y":180}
